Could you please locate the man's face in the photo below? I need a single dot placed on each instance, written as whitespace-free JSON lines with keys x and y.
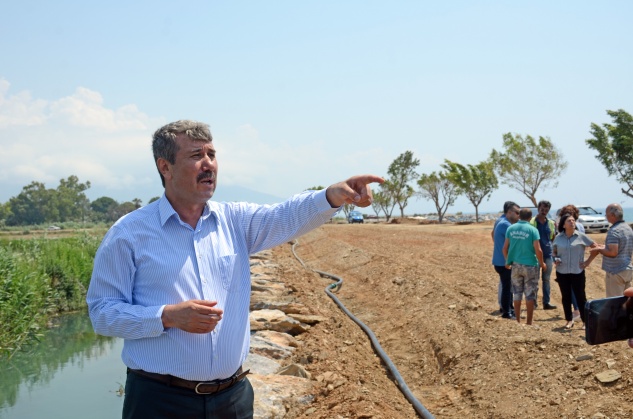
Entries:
{"x":513,"y":215}
{"x":543,"y":210}
{"x":192,"y":178}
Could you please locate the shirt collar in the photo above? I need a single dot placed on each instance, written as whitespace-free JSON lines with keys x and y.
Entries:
{"x":616,"y":223}
{"x":166,"y":211}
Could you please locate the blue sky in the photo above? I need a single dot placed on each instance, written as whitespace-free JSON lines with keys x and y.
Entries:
{"x":299,"y":94}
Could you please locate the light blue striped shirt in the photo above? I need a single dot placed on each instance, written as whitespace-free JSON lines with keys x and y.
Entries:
{"x":151,"y":258}
{"x":571,"y":251}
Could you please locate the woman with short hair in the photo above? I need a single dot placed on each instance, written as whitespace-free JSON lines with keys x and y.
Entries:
{"x":569,"y":256}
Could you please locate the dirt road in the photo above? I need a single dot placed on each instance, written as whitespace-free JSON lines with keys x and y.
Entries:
{"x":429,"y":293}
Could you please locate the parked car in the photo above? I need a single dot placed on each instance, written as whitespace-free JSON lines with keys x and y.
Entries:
{"x":590,"y":219}
{"x":355,"y":217}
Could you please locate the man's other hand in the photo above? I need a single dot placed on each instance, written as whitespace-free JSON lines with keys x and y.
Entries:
{"x":194,"y":316}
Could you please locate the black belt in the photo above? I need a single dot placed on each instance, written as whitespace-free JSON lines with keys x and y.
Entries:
{"x":200,"y":387}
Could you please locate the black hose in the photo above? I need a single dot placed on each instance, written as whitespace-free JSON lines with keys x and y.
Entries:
{"x":419,"y":408}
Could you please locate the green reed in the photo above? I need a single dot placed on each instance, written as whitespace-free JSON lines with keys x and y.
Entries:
{"x":39,"y":278}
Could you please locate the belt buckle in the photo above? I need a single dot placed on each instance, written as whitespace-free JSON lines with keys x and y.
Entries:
{"x":202,"y":383}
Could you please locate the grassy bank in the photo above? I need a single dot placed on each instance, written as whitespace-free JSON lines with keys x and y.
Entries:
{"x":39,"y":278}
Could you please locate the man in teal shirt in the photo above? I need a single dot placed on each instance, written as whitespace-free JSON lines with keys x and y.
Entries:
{"x":523,"y":254}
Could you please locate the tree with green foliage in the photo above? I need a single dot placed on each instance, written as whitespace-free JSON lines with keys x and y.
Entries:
{"x":38,"y":205}
{"x":375,"y":203}
{"x":614,"y":144}
{"x":315,"y":188}
{"x":438,"y":188}
{"x":383,"y":200}
{"x":104,"y":209}
{"x":402,"y":171}
{"x":137,"y":203}
{"x":526,"y":164}
{"x":5,"y":212}
{"x":72,"y":203}
{"x":32,"y":206}
{"x":122,"y":209}
{"x":156,"y":198}
{"x":476,"y":182}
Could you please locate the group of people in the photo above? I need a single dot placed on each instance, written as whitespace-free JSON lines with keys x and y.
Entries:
{"x":173,"y":279}
{"x":528,"y":247}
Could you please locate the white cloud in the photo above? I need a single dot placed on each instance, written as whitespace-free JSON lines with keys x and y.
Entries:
{"x":85,"y":109}
{"x":20,"y":109}
{"x":78,"y":135}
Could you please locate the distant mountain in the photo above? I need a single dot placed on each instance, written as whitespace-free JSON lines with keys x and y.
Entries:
{"x":241,"y":194}
{"x":226,"y":193}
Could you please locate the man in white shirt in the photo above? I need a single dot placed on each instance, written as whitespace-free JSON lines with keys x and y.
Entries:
{"x":173,"y":280}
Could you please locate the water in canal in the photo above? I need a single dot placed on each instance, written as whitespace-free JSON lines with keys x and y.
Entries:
{"x":71,"y":373}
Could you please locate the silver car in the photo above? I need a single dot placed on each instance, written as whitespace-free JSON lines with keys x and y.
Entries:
{"x":592,"y":220}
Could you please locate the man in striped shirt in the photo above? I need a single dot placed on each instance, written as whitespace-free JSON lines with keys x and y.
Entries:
{"x":616,"y":253}
{"x":173,"y":280}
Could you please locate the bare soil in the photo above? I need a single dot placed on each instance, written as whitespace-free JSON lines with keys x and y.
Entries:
{"x":429,"y":293}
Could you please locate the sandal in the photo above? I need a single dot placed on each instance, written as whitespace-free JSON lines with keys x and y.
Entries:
{"x":569,"y":324}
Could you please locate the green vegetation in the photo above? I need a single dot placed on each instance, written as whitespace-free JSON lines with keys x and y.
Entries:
{"x":527,"y":164}
{"x":477,"y":182}
{"x":440,"y":189}
{"x":384,"y":201}
{"x":41,"y":277}
{"x":402,"y":171}
{"x":37,"y":205}
{"x":614,"y":144}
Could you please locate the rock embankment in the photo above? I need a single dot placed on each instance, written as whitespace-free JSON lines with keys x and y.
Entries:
{"x":276,"y":318}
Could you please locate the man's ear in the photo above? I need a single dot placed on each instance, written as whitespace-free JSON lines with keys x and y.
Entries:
{"x":164,"y":167}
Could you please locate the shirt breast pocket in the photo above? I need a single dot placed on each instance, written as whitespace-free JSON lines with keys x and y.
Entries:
{"x":226,"y":265}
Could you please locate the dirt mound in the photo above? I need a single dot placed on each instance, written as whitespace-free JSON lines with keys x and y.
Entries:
{"x":429,"y":293}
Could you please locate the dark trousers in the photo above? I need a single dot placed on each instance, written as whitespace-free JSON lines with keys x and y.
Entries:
{"x":575,"y":283}
{"x":149,"y":399}
{"x":505,"y":276}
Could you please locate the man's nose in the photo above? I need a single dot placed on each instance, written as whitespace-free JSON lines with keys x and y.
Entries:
{"x":208,"y":161}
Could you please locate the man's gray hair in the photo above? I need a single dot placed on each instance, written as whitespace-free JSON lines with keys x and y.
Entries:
{"x":616,"y":211}
{"x":164,"y":140}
